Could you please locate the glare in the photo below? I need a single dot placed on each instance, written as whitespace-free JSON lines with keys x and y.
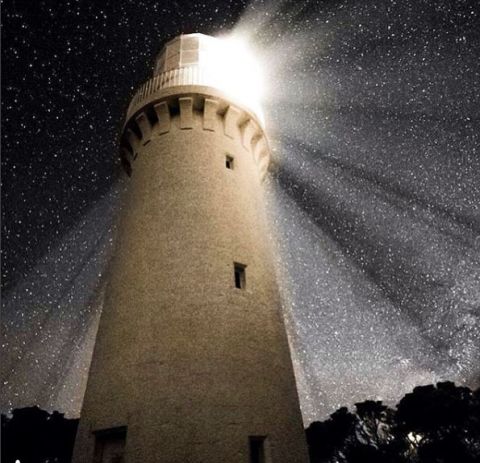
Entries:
{"x":235,"y":69}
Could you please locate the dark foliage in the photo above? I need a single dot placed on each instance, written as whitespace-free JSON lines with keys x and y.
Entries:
{"x":32,"y":435}
{"x":433,"y":424}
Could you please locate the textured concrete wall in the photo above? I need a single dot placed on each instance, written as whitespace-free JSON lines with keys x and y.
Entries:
{"x":190,"y":364}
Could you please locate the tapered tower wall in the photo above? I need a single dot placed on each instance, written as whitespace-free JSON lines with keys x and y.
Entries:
{"x":190,"y":364}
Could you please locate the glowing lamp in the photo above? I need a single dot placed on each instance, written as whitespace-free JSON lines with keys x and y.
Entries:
{"x":225,"y":63}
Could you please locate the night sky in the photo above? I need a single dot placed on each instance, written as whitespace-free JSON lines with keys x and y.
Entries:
{"x":373,"y":111}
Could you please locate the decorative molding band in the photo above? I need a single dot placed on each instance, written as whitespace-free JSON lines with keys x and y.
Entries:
{"x":155,"y":120}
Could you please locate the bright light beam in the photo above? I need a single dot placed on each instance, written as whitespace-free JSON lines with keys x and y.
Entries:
{"x":236,"y":70}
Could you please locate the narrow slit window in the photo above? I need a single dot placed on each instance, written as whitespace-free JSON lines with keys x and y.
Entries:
{"x":229,"y":162}
{"x":239,"y":275}
{"x":110,"y":445}
{"x":258,"y":450}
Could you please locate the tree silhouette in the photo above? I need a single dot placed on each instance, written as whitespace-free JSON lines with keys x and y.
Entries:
{"x":33,"y":435}
{"x":432,"y":424}
{"x":328,"y":437}
{"x":442,"y":423}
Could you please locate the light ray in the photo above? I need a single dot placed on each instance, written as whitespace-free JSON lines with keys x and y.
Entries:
{"x":373,"y":201}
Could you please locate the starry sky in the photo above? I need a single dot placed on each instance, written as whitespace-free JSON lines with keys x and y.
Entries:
{"x":373,"y":113}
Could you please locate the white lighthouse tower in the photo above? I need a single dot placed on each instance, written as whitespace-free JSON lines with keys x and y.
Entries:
{"x":191,"y":362}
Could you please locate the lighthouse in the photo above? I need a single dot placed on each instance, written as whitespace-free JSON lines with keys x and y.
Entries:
{"x":191,"y":361}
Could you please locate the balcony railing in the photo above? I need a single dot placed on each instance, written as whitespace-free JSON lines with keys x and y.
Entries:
{"x":192,"y":75}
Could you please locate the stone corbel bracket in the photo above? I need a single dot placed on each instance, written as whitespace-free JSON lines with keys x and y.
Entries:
{"x":157,"y":117}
